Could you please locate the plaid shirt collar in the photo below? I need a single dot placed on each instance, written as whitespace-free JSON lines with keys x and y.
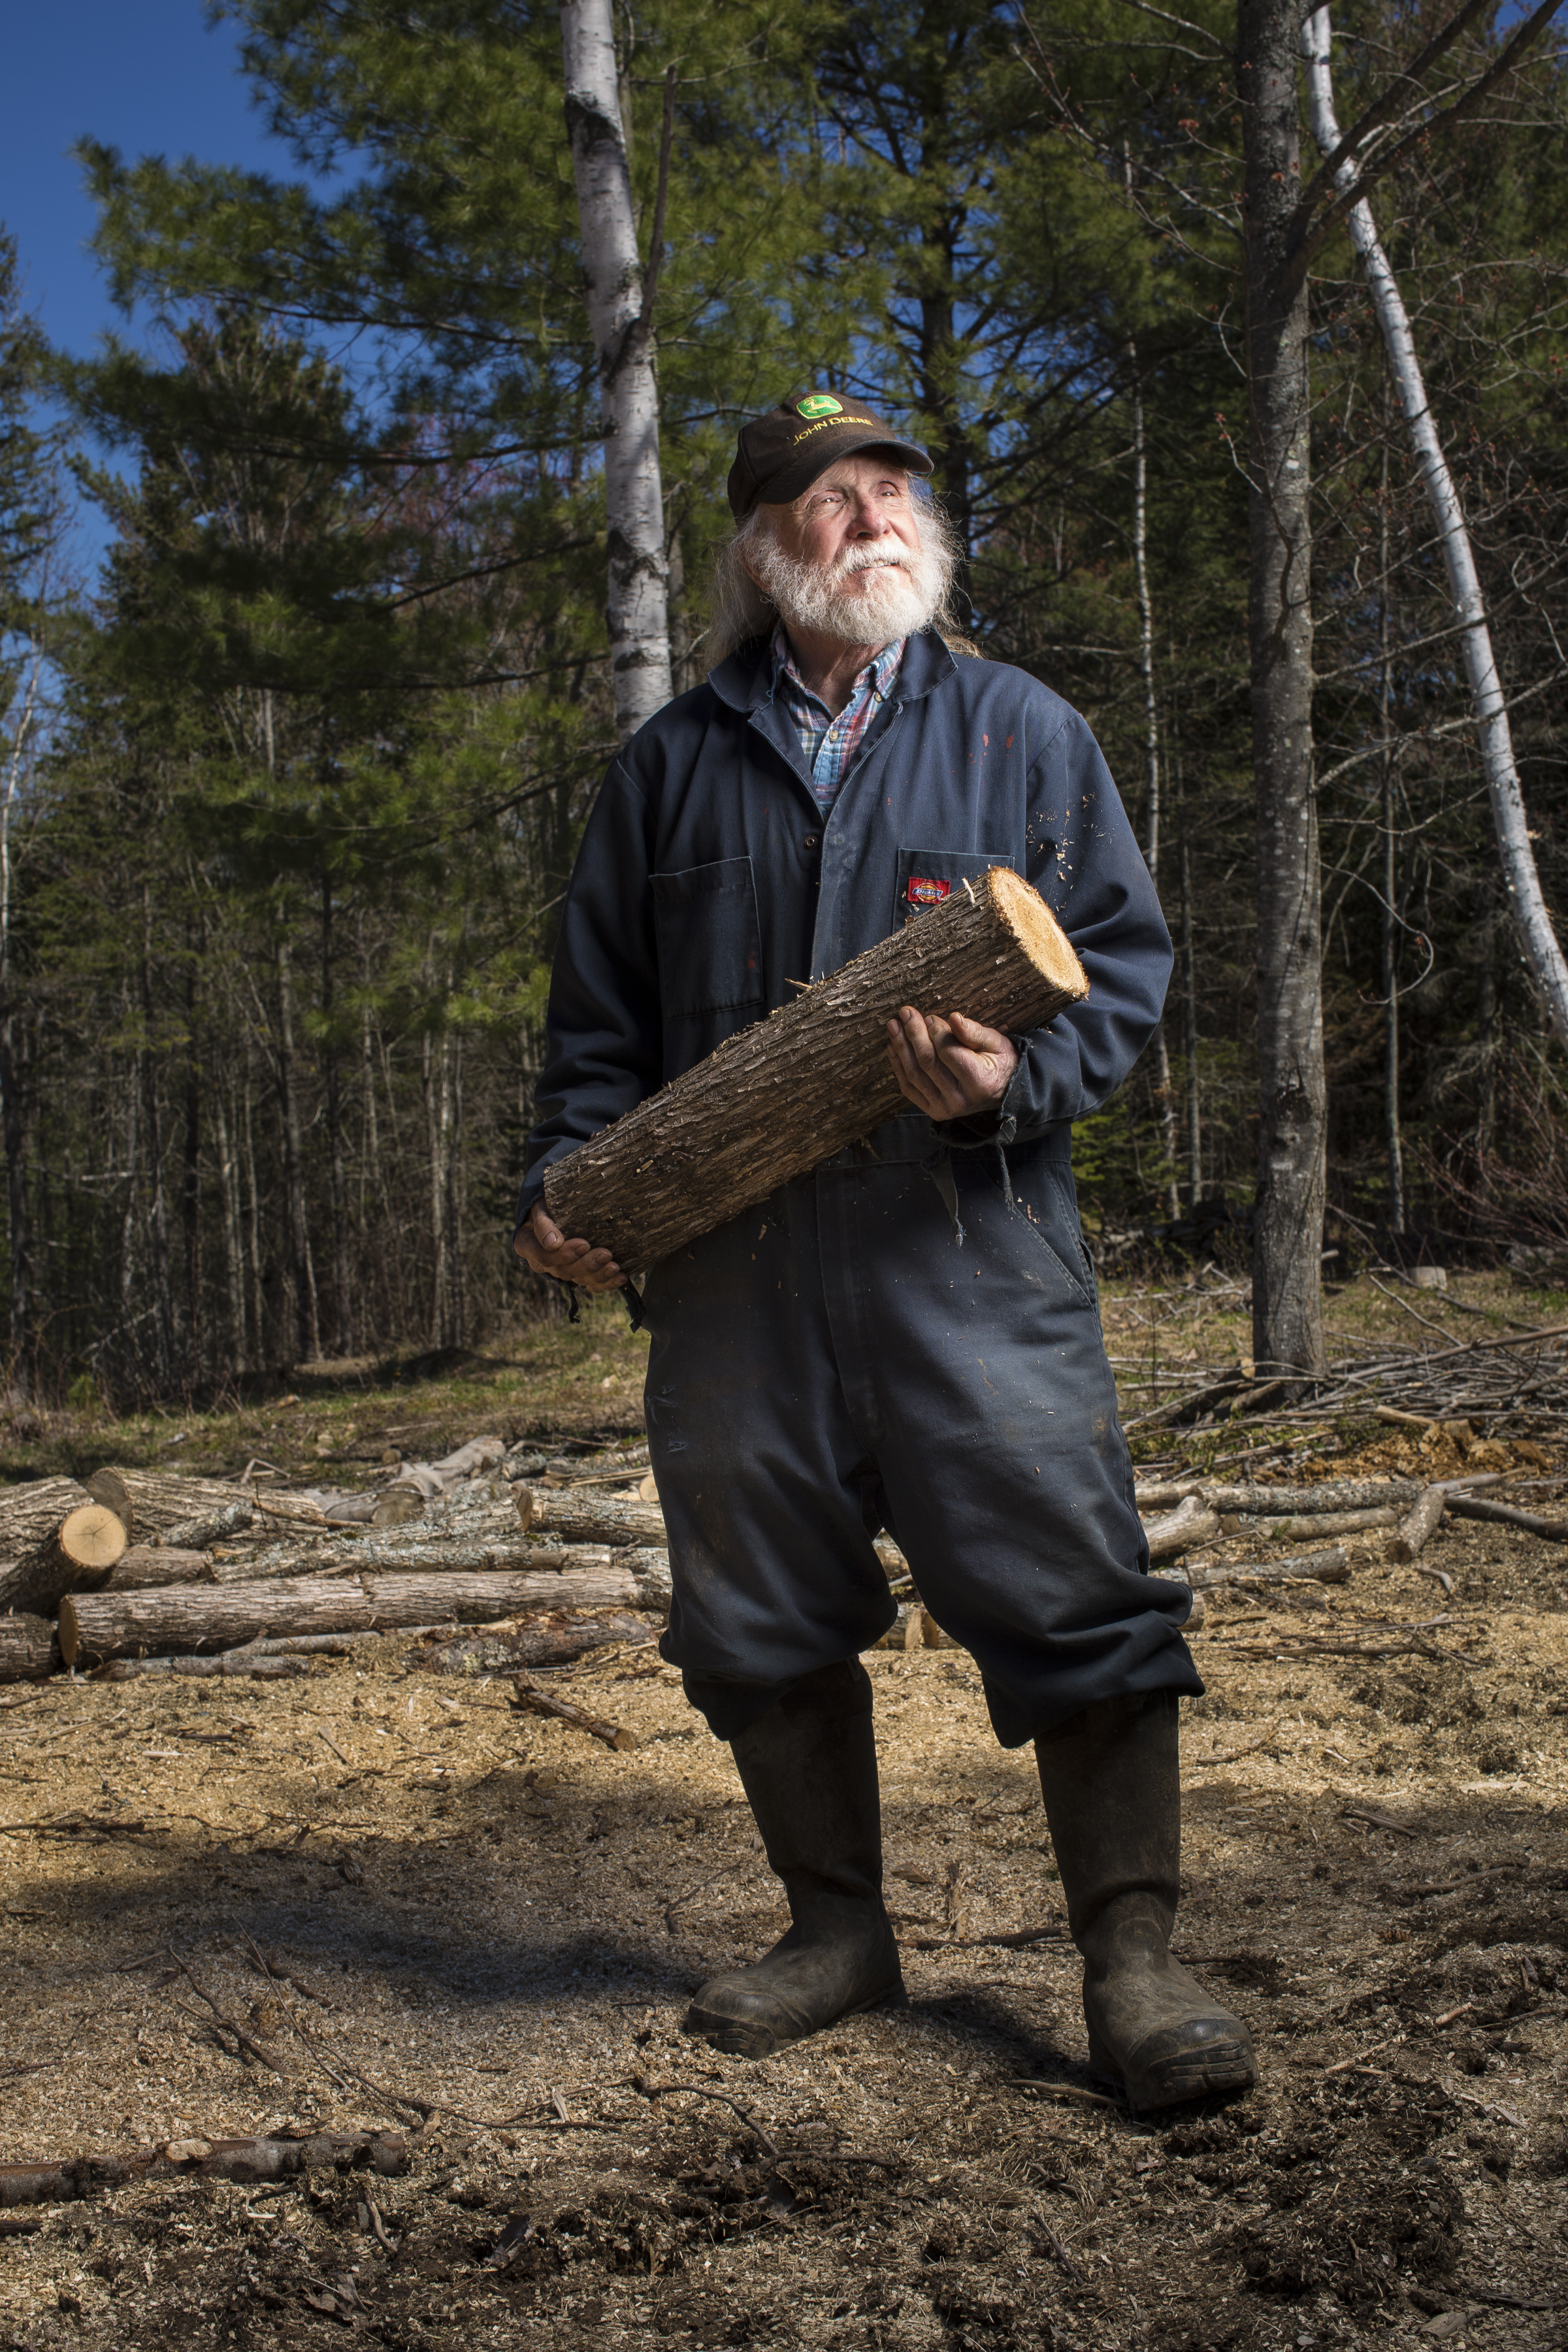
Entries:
{"x":832,"y":744}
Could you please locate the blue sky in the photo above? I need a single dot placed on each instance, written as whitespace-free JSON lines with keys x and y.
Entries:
{"x":146,"y":75}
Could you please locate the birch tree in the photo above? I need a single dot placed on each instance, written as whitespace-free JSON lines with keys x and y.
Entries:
{"x":1531,"y":914}
{"x":620,"y":298}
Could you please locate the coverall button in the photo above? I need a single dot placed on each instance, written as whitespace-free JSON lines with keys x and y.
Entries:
{"x":811,"y":840}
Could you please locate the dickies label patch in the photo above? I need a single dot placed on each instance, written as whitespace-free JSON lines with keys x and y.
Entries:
{"x":925,"y":890}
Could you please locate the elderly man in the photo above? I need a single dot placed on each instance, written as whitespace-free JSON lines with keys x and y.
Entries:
{"x":907,"y":1339}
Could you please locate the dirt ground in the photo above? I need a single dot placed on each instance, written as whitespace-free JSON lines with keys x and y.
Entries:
{"x":493,"y":1914}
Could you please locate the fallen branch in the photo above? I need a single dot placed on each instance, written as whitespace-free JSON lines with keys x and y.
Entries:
{"x":534,"y":1699}
{"x":1330,"y":1566}
{"x":1472,"y":1506}
{"x":1192,"y":1523}
{"x":1422,"y":1523}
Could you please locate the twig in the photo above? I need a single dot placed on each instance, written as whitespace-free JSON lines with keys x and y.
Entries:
{"x":1423,"y":1319}
{"x":1054,"y":2245}
{"x":1344,"y":2065}
{"x":701,"y":1889}
{"x":535,"y":1699}
{"x":1067,"y":2090}
{"x":665,"y":2090}
{"x":246,"y":2040}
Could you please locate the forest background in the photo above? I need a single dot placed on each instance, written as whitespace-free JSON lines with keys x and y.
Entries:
{"x":291,"y":791}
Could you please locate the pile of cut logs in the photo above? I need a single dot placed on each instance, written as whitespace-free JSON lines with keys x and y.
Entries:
{"x":135,"y":1568}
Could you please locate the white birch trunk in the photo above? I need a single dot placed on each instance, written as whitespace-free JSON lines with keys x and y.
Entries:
{"x":1542,"y":951}
{"x":623,"y":345}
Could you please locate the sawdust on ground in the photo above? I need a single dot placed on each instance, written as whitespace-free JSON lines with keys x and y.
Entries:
{"x":493,"y":1913}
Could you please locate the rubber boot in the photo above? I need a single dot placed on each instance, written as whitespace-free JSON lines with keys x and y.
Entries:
{"x":809,"y":1770}
{"x":1111,"y":1783}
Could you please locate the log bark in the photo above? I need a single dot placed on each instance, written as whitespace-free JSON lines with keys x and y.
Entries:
{"x":161,"y":1502}
{"x":550,"y":1637}
{"x":78,"y":1555}
{"x":1293,"y":1502}
{"x":1166,"y":1494}
{"x":28,"y":1650}
{"x":144,"y":1566}
{"x":29,"y":1514}
{"x":1329,"y":1567}
{"x":211,"y":1526}
{"x":1308,"y":1529}
{"x":96,"y":1626}
{"x":1421,"y":1524}
{"x":429,"y":1553}
{"x":249,"y":1664}
{"x":1191,"y":1524}
{"x":588,"y":1519}
{"x":107,"y":1487}
{"x":784,"y":1094}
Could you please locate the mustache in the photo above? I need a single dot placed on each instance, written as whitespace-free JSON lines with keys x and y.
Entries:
{"x":872,"y":558}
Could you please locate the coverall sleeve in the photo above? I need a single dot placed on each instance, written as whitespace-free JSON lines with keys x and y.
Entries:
{"x":1087,"y":867}
{"x":604,"y":1021}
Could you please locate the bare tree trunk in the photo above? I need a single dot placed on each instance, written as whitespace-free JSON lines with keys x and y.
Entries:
{"x":1162,"y":1091}
{"x":257,"y":1287}
{"x":620,"y":298}
{"x":343,"y":1288}
{"x":307,"y":1320}
{"x":1390,"y":972}
{"x":191,"y":1174}
{"x":1287,"y":1273}
{"x":19,"y":1228}
{"x":233,"y":1240}
{"x":1542,"y":953}
{"x":1190,"y":1033}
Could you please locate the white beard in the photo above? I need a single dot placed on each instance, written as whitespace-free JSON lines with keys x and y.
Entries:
{"x":901,"y":595}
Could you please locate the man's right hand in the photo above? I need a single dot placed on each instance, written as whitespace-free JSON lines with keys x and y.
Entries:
{"x":541,"y":1245}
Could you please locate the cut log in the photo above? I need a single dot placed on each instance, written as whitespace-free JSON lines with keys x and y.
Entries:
{"x":160,"y":1502}
{"x":1191,"y":1524}
{"x":250,"y":1664}
{"x":143,"y":1566}
{"x":1294,"y":1502}
{"x":78,"y":1550}
{"x":1329,"y":1567}
{"x":107,"y":1487}
{"x":423,"y":1551}
{"x":28,"y":1649}
{"x":1421,"y":1524}
{"x":578,"y":1518}
{"x":545,"y":1638}
{"x":208,"y":1525}
{"x":1166,"y":1494}
{"x":1308,"y":1529}
{"x":787,"y":1092}
{"x":30,"y":1514}
{"x":95,"y":1626}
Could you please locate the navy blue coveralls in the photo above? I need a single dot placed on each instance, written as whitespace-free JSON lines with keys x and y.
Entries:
{"x":908,"y":1337}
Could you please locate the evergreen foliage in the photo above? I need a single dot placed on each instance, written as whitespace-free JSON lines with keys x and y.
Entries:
{"x":280,"y":881}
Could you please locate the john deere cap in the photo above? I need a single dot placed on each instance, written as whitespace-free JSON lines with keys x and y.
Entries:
{"x":782,"y":454}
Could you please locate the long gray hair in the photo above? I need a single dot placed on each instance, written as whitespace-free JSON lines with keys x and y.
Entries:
{"x":742,"y":611}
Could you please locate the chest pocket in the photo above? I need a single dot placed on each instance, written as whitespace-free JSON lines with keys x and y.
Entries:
{"x":710,"y":940}
{"x":927,"y":876}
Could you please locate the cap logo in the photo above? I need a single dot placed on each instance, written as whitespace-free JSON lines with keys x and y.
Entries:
{"x":819,"y":404}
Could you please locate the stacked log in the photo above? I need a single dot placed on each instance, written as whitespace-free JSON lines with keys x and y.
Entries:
{"x":579,"y":1517}
{"x":54,"y":1537}
{"x":179,"y":1618}
{"x":28,"y":1650}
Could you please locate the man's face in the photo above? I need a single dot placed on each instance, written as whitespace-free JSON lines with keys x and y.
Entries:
{"x":846,"y":557}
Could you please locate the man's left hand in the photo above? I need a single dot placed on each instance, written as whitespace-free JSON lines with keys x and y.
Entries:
{"x":950,"y":1067}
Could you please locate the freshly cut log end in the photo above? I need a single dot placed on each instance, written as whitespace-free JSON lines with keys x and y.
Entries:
{"x":782,"y":1096}
{"x":91,"y":1540}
